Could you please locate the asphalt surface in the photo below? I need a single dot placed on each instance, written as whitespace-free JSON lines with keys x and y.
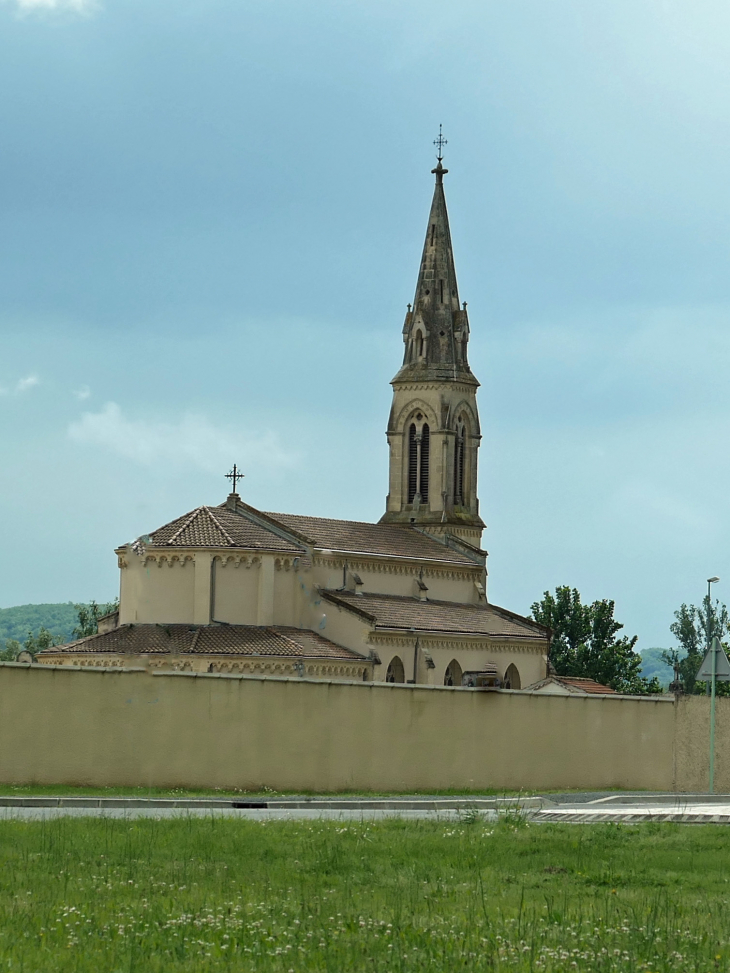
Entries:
{"x":567,"y":808}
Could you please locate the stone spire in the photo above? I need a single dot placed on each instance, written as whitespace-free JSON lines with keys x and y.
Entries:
{"x":433,"y":429}
{"x":436,"y":327}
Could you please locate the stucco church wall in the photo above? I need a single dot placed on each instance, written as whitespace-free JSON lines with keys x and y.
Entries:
{"x":386,"y":578}
{"x":236,"y":594}
{"x":287,"y":594}
{"x":338,"y":625}
{"x":64,"y":726}
{"x":154,"y":591}
{"x":530,"y":663}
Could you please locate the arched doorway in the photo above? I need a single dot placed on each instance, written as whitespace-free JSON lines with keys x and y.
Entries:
{"x":512,"y":678}
{"x":452,"y":676}
{"x":396,"y":672}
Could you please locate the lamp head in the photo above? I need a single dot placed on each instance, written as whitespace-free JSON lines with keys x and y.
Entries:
{"x":712,"y":580}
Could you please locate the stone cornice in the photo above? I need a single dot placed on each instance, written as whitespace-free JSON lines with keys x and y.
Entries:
{"x":222,"y":663}
{"x":434,"y":385}
{"x":446,"y":640}
{"x":172,"y":556}
{"x":391,"y":564}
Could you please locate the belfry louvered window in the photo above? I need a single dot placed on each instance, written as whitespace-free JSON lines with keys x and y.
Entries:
{"x":419,"y":442}
{"x":459,"y":449}
{"x":412,"y":463}
{"x":425,"y":445}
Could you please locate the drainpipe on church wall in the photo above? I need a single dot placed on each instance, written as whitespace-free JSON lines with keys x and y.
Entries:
{"x":212,"y":588}
{"x":415,"y":663}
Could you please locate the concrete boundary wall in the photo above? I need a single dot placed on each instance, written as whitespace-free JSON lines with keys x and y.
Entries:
{"x":60,"y":725}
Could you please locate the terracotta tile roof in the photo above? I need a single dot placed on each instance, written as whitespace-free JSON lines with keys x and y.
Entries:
{"x":248,"y":528}
{"x":218,"y":527}
{"x":357,"y":537}
{"x":584,"y":685}
{"x":250,"y":640}
{"x":579,"y":685}
{"x":396,"y":611}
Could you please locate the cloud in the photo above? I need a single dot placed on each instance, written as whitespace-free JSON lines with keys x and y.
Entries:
{"x":74,"y":6}
{"x":27,"y":383}
{"x":22,"y":385}
{"x":193,"y":440}
{"x":83,"y":393}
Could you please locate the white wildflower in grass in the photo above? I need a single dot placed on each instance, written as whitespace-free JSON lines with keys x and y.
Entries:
{"x":225,"y":895}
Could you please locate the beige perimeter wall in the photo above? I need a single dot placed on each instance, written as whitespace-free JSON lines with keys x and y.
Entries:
{"x":60,"y":725}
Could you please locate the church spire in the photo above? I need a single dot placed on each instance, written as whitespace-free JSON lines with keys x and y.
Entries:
{"x":433,"y":430}
{"x":436,"y":327}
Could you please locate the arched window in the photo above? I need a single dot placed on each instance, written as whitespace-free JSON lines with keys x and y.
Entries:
{"x":425,"y":449}
{"x":412,"y":463}
{"x":459,"y":450}
{"x":396,"y":672}
{"x":419,"y":442}
{"x":419,"y":344}
{"x":512,"y":678}
{"x":452,"y":676}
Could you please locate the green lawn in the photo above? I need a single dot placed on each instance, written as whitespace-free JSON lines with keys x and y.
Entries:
{"x":112,"y":895}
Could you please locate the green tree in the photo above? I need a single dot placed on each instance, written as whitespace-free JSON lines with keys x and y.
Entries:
{"x":585,"y":643}
{"x":33,"y":644}
{"x":693,"y":628}
{"x":11,"y":650}
{"x":89,"y":616}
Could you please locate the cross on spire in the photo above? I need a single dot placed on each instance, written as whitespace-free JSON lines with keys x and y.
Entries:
{"x":234,"y":475}
{"x":440,"y":142}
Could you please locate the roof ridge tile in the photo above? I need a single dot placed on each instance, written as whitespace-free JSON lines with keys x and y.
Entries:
{"x":220,"y":527}
{"x":182,"y":527}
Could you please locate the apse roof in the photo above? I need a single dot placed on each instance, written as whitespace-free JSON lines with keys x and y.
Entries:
{"x":238,"y":640}
{"x":218,"y":527}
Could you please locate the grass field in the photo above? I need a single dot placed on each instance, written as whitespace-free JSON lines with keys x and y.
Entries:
{"x":115,"y":895}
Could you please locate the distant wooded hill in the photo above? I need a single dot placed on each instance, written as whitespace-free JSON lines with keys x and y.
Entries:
{"x":15,"y":623}
{"x":652,"y":665}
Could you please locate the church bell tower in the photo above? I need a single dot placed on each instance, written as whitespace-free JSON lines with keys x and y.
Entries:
{"x":433,"y":430}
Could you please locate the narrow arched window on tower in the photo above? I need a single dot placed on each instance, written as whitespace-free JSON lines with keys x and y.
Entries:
{"x":433,"y":232}
{"x":459,"y":449}
{"x":412,"y":463}
{"x":419,"y":345}
{"x":441,"y":288}
{"x":425,"y":443}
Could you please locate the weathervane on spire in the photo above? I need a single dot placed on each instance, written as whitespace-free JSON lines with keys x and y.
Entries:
{"x":234,"y":475}
{"x":440,"y":142}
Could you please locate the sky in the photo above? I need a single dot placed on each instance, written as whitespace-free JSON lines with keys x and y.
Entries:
{"x":212,"y":217}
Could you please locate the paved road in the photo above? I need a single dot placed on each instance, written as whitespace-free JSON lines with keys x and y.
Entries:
{"x":568,"y":808}
{"x":273,"y":814}
{"x":687,"y":809}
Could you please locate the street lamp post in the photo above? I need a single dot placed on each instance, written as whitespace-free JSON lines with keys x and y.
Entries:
{"x":713,"y":682}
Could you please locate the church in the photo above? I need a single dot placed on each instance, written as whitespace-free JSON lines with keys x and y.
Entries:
{"x":231,"y":589}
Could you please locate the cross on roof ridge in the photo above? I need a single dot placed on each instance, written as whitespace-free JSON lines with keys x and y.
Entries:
{"x":234,"y":475}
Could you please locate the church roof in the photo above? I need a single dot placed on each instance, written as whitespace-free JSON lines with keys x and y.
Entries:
{"x":248,"y":640}
{"x":356,"y":537}
{"x":246,"y":527}
{"x":218,"y":527}
{"x":412,"y":614}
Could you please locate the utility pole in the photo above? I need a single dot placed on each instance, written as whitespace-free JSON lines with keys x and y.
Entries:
{"x":711,"y":643}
